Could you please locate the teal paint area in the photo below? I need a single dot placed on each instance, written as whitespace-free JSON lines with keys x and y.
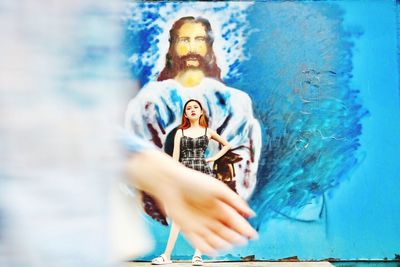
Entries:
{"x":360,"y":216}
{"x":329,"y":184}
{"x":366,"y":264}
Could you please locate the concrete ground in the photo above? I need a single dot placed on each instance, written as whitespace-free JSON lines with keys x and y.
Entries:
{"x":236,"y":264}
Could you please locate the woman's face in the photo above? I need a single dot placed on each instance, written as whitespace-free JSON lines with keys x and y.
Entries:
{"x":193,"y":110}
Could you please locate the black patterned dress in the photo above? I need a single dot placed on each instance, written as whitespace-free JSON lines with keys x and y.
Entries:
{"x":192,"y":156}
{"x":192,"y":153}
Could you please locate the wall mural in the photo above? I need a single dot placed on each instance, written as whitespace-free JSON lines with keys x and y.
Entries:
{"x":278,"y":92}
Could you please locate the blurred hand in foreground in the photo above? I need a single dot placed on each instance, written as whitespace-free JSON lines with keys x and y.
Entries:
{"x":210,"y":215}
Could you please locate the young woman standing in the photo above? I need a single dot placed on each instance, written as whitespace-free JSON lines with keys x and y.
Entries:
{"x":190,"y":143}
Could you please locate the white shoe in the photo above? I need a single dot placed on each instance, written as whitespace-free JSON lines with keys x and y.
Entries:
{"x":161,"y":260}
{"x":197,"y":261}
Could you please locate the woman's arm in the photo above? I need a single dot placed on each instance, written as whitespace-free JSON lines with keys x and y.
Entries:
{"x":177,"y":145}
{"x":225,"y":145}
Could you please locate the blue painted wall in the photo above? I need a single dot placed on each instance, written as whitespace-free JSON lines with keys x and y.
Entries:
{"x":364,"y":212}
{"x":361,"y":219}
{"x":346,"y":203}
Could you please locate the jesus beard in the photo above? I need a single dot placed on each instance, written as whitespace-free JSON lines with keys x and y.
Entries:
{"x":182,"y":62}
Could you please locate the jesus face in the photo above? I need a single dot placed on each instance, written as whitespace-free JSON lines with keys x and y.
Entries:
{"x":191,"y":44}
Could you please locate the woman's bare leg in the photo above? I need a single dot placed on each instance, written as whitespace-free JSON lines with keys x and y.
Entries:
{"x":197,"y":252}
{"x":173,"y":236}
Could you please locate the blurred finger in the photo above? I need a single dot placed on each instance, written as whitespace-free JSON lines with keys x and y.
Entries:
{"x":231,"y":218}
{"x":228,"y":234}
{"x":201,"y":244}
{"x":234,"y":200}
{"x":215,"y":240}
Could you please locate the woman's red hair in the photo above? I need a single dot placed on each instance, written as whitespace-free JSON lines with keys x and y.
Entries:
{"x":185,"y":123}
